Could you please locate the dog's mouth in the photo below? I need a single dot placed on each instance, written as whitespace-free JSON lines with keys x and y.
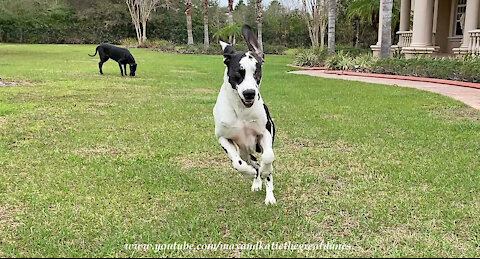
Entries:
{"x":248,"y":103}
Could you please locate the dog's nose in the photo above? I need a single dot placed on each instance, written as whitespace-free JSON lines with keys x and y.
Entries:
{"x":249,"y":94}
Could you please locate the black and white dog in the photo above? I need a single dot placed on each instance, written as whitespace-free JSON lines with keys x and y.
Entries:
{"x":242,"y":122}
{"x":121,"y":55}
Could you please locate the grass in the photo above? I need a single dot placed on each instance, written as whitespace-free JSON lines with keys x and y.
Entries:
{"x":89,"y":163}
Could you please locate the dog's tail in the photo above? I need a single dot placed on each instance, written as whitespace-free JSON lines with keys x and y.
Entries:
{"x":96,"y":50}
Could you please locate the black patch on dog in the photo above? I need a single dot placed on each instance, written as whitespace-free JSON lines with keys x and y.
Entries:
{"x":224,"y":149}
{"x":270,"y":126}
{"x":268,"y":178}
{"x":258,"y":74}
{"x":258,"y":148}
{"x":240,"y":162}
{"x":235,"y":73}
{"x":253,"y":158}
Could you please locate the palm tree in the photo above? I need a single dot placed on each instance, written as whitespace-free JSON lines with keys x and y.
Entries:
{"x":230,"y":17}
{"x":332,"y":13}
{"x":367,"y":12}
{"x":188,"y":13}
{"x":230,"y":32}
{"x":260,"y":23}
{"x":230,"y":12}
{"x":386,"y":43}
{"x":206,"y":40}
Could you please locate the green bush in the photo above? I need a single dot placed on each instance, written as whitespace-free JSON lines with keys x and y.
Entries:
{"x":345,"y":61}
{"x":351,"y":51}
{"x":466,"y":69}
{"x":274,"y":49}
{"x":161,"y":45}
{"x":311,"y":57}
{"x":129,"y":42}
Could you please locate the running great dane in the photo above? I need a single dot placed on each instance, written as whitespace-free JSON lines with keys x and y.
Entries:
{"x":243,"y":125}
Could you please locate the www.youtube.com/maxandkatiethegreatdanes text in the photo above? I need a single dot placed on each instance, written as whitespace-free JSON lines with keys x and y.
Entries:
{"x":247,"y":246}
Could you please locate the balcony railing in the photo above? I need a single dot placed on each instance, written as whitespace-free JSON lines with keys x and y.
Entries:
{"x":405,"y":38}
{"x":474,"y":44}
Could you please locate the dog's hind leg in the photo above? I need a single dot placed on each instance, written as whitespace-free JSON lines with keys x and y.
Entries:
{"x":100,"y":64}
{"x":238,"y":163}
{"x":103,"y":59}
{"x":266,"y":166}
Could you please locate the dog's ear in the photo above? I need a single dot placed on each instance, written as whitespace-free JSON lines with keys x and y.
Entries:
{"x":228,"y":50}
{"x":252,"y":43}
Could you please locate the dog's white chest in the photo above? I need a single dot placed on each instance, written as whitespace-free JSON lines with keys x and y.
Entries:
{"x":243,"y":127}
{"x":243,"y":132}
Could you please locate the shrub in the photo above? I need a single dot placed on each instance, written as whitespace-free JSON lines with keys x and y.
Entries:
{"x":363,"y":63}
{"x":351,"y":51}
{"x":467,"y":69}
{"x":341,"y":61}
{"x":129,"y":42}
{"x":311,"y":57}
{"x":274,"y":49}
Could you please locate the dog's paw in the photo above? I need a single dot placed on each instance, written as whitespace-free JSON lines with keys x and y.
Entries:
{"x":257,"y":185}
{"x":270,"y":199}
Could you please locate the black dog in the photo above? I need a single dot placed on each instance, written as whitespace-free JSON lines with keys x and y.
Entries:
{"x":121,"y":55}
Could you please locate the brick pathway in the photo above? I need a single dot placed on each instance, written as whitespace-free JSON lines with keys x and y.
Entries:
{"x":469,"y":96}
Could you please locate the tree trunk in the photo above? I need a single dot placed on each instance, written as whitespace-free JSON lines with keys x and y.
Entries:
{"x":188,"y":12}
{"x":230,"y":17}
{"x":134,"y":9}
{"x":332,"y":9}
{"x":230,"y":12}
{"x":144,"y":35}
{"x":140,"y":11}
{"x":206,"y":40}
{"x":357,"y":33}
{"x":386,"y":43}
{"x":260,"y":23}
{"x":323,"y":29}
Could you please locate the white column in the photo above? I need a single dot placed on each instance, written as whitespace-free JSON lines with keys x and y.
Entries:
{"x":405,"y":7}
{"x":376,"y":48}
{"x":471,"y":21}
{"x":380,"y":22}
{"x":423,"y":23}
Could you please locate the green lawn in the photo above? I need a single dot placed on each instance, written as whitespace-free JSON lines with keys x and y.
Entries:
{"x":89,"y":163}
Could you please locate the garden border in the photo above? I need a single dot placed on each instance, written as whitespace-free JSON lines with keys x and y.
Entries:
{"x":399,"y":77}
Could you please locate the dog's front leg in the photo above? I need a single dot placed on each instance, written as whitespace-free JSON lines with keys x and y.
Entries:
{"x":238,"y":163}
{"x":266,"y":166}
{"x":121,"y":69}
{"x":252,"y":160}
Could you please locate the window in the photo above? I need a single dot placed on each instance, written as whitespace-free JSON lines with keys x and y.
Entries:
{"x":460,"y":17}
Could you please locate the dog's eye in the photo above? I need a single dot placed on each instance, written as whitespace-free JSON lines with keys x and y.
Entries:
{"x":241,"y":73}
